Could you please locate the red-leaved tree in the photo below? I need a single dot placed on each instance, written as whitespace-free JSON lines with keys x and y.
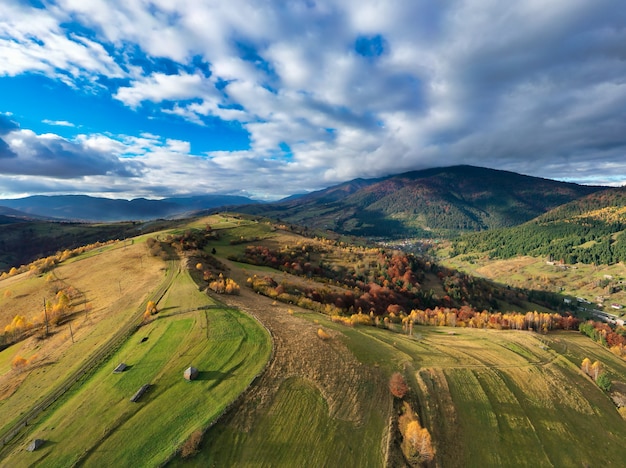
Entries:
{"x":397,"y":385}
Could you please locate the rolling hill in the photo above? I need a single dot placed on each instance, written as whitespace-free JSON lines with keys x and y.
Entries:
{"x":440,"y":200}
{"x":587,"y":230}
{"x":25,"y":240}
{"x":487,"y":392}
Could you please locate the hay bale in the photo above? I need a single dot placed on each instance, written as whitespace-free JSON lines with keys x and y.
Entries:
{"x":35,"y":444}
{"x":191,"y":373}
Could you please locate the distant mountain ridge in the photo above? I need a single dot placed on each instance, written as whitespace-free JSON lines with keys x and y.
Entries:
{"x":440,"y":200}
{"x":86,"y":208}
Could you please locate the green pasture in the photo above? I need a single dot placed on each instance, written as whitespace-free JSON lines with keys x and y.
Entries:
{"x":97,"y":425}
{"x":44,"y":378}
{"x":504,"y":398}
{"x":297,"y":430}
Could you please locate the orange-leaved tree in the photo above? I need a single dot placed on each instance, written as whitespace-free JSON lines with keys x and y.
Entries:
{"x":151,"y":308}
{"x":18,"y":363}
{"x":322,"y":334}
{"x":397,"y":385}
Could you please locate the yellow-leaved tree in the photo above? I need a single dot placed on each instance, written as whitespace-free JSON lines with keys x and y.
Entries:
{"x":417,"y":444}
{"x":586,"y":366}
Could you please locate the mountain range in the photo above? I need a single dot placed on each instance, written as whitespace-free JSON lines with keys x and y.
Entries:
{"x":437,"y":201}
{"x":427,"y":202}
{"x":86,"y":208}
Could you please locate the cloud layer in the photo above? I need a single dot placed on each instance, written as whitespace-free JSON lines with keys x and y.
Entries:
{"x":327,"y":90}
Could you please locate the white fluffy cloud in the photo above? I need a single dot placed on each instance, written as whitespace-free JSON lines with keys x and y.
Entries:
{"x":335,"y":89}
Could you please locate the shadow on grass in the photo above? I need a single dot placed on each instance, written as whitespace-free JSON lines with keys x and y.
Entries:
{"x":211,"y":375}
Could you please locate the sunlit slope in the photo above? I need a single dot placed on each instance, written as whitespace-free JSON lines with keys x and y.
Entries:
{"x":505,"y":398}
{"x":90,"y":423}
{"x":111,"y":284}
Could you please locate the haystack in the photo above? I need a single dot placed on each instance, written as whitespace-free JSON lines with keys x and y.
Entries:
{"x":191,"y":373}
{"x":35,"y":444}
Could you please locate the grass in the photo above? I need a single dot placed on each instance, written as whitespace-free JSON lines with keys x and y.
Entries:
{"x":296,"y":431}
{"x":528,"y":404}
{"x":114,"y":304}
{"x":504,"y":398}
{"x":489,"y":398}
{"x":229,"y":349}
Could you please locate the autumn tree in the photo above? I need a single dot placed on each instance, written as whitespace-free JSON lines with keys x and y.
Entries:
{"x":224,"y":285}
{"x":596,"y":370}
{"x":18,"y":363}
{"x":397,"y":385}
{"x":417,"y":444}
{"x":322,"y":334}
{"x":60,"y":307}
{"x":586,"y":366}
{"x":151,"y":308}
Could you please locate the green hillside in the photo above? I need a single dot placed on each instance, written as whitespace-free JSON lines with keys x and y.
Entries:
{"x":589,"y":230}
{"x":295,"y":363}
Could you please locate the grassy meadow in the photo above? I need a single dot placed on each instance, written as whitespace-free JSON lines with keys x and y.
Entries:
{"x":228,"y":347}
{"x":298,"y":430}
{"x":505,"y":398}
{"x":102,"y":307}
{"x":487,"y":397}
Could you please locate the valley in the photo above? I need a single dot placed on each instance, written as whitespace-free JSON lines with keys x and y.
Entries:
{"x":312,"y":367}
{"x":312,"y":234}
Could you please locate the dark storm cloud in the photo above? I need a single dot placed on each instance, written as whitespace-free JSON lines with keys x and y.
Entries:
{"x":26,"y":153}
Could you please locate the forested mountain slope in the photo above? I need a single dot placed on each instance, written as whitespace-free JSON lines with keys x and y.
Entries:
{"x":588,"y":230}
{"x":420,"y":202}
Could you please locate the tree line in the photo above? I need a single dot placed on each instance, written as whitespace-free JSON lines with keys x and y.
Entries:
{"x":586,"y":240}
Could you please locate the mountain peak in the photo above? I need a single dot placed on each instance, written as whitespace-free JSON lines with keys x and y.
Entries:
{"x":416,"y":203}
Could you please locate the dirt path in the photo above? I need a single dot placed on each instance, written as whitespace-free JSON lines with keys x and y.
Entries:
{"x":298,"y":352}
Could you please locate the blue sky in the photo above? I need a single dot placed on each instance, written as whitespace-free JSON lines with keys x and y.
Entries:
{"x":130,"y":98}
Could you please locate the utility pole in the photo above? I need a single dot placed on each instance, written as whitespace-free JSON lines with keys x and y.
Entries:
{"x":45,"y":314}
{"x":71,"y":332}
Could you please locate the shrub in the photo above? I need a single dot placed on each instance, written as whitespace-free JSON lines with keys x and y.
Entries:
{"x":322,"y":334}
{"x":18,"y":363}
{"x":604,"y":382}
{"x":397,"y":385}
{"x":192,"y":444}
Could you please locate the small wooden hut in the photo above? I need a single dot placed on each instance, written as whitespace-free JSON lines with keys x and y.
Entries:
{"x":121,"y":367}
{"x":191,"y":373}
